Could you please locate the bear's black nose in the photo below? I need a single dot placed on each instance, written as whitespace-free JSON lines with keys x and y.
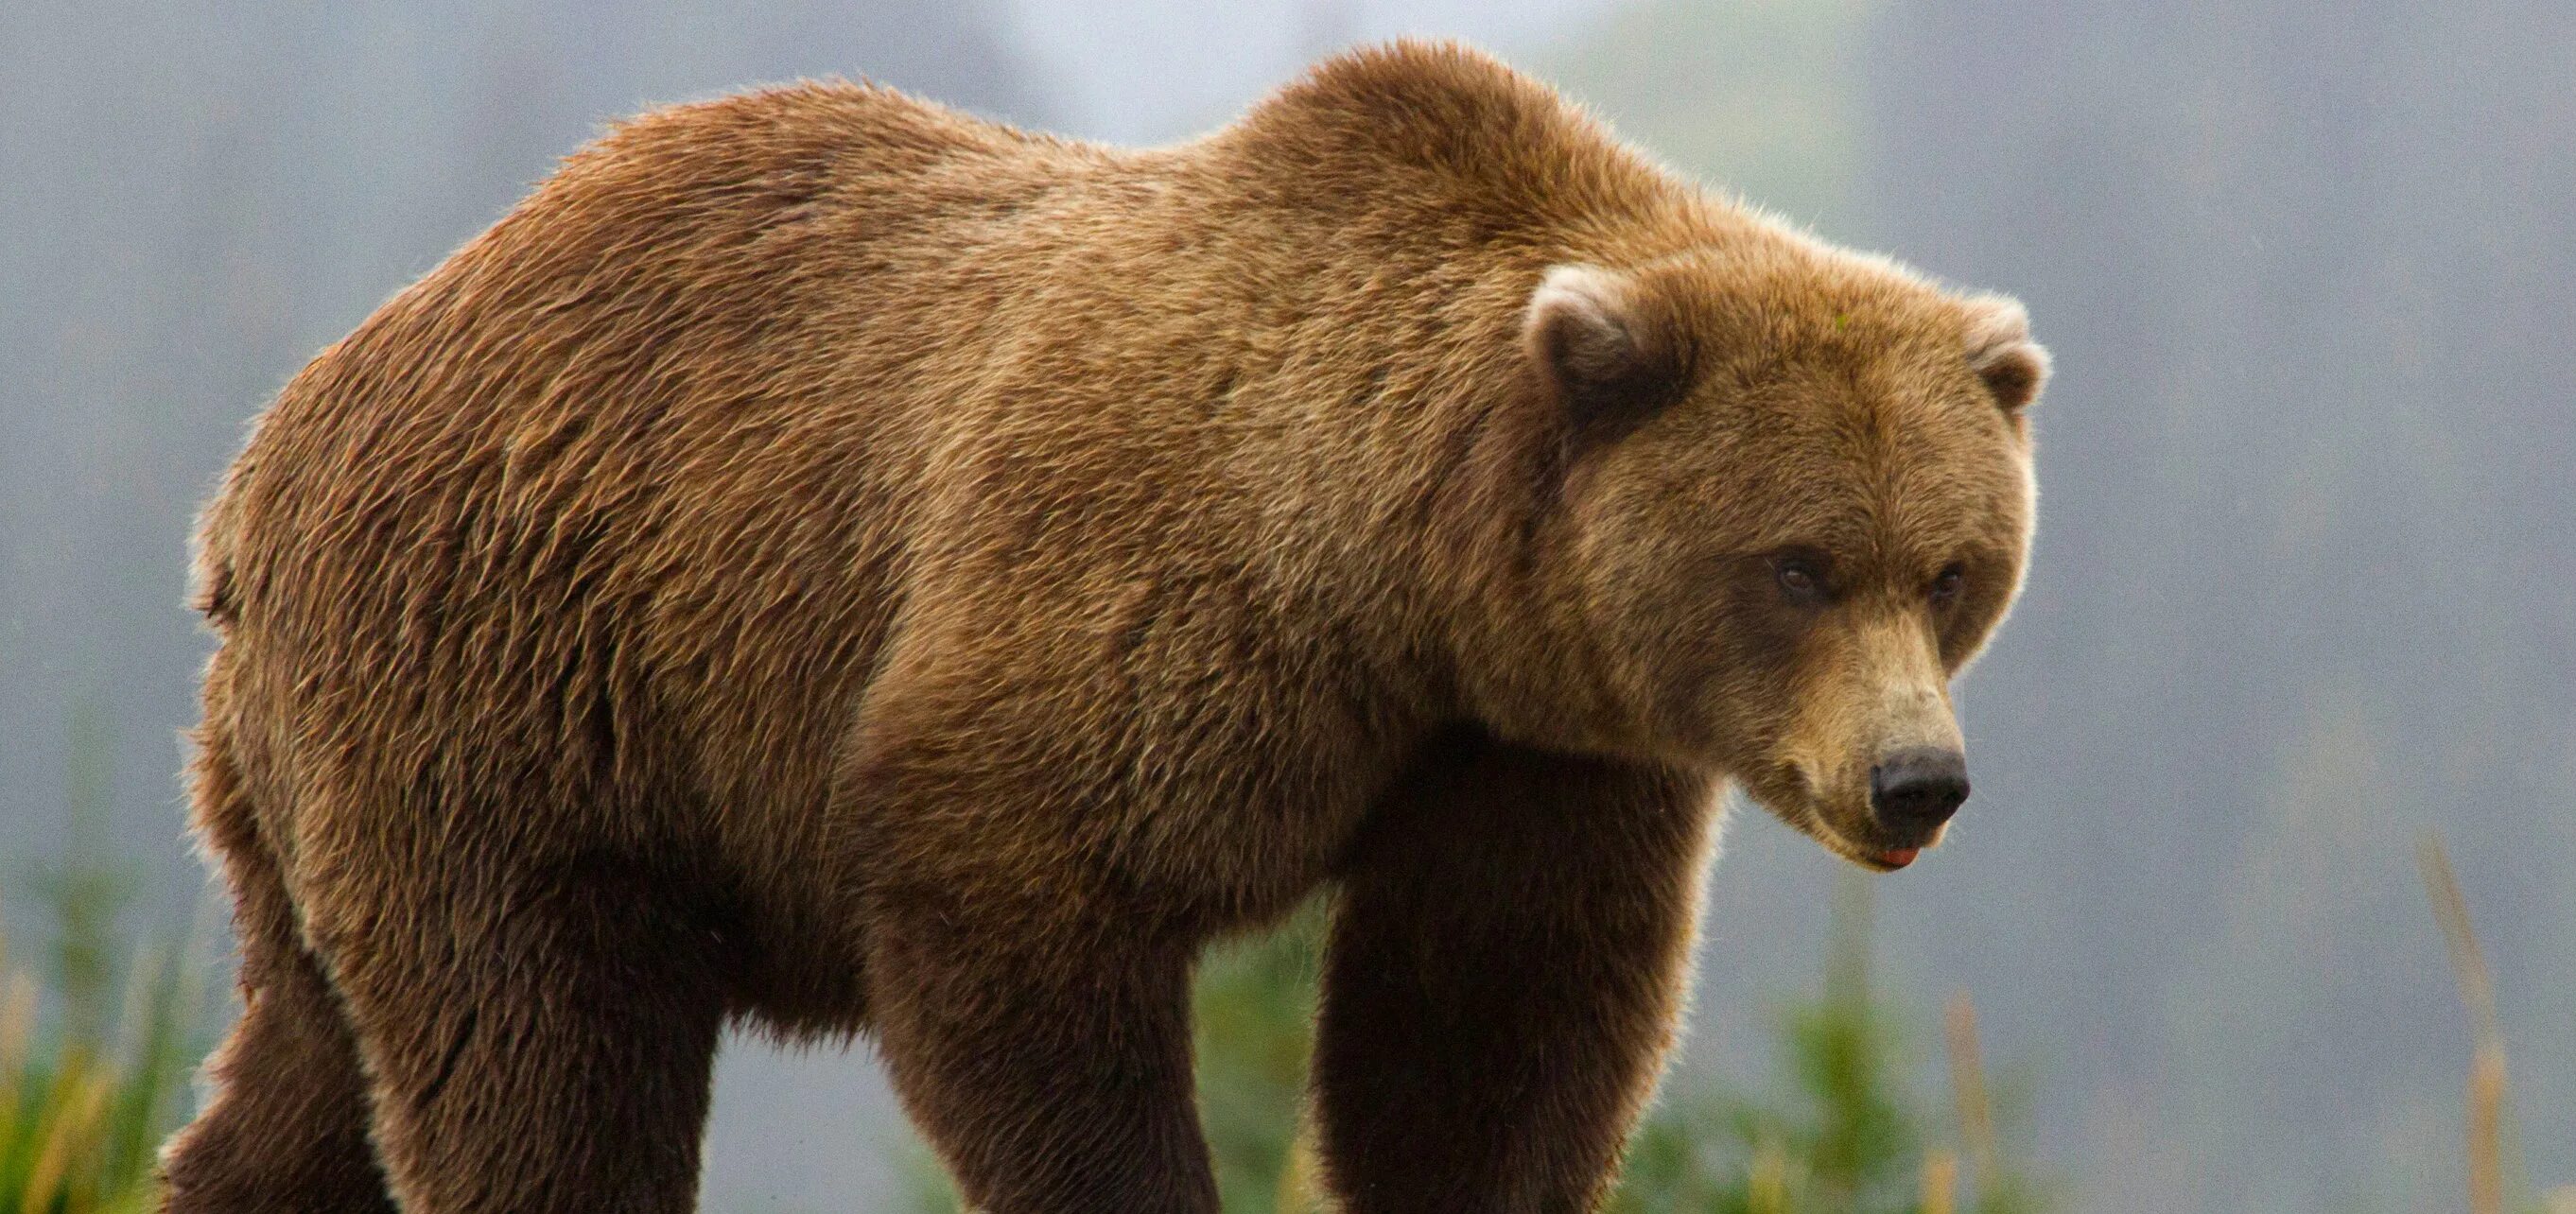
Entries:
{"x":1915,"y":791}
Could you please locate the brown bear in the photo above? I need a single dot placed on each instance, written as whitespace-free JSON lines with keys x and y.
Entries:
{"x":828,"y":562}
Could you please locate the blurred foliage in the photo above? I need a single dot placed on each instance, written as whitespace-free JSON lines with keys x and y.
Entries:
{"x":88,"y":1089}
{"x":1846,"y":1131}
{"x":1845,"y":1134}
{"x":1255,"y":1008}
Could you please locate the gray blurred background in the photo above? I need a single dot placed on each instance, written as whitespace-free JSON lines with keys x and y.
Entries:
{"x":2306,"y":584}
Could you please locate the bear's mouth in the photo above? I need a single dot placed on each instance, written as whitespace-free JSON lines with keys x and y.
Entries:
{"x":1870,"y":854}
{"x":1789,"y":792}
{"x":1875,"y":859}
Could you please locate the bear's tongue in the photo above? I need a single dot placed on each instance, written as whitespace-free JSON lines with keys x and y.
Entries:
{"x":1899,"y":857}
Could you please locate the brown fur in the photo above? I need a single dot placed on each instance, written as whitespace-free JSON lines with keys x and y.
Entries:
{"x":826,"y":560}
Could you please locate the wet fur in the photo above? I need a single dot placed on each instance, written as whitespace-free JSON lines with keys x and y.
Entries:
{"x":832,"y":562}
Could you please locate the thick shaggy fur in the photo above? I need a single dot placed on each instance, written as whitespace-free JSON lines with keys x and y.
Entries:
{"x":830,"y":561}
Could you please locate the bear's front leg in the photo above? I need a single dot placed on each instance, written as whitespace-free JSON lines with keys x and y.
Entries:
{"x":1507,"y":961}
{"x":1031,"y":1005}
{"x":1047,"y":1059}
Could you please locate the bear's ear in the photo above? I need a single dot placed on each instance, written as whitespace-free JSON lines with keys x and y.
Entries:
{"x":1608,"y":352}
{"x":2002,"y":354}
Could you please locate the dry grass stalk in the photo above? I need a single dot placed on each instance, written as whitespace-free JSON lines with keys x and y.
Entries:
{"x":1968,"y":1088}
{"x":1940,"y":1182}
{"x":2468,"y":961}
{"x":1767,"y":1188}
{"x":17,"y":1029}
{"x":71,"y":1113}
{"x":2486,"y":1130}
{"x":2477,"y":991}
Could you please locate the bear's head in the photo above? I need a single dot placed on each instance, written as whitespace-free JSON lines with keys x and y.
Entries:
{"x":1794,"y":500}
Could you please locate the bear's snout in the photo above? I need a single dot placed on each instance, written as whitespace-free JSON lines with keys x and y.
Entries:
{"x":1914,"y":791}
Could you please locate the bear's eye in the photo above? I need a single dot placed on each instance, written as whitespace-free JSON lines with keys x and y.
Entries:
{"x":1799,"y":579}
{"x":1945,"y":587}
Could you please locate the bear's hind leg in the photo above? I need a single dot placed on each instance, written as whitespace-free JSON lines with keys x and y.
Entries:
{"x":287,"y":1128}
{"x":548,"y":1044}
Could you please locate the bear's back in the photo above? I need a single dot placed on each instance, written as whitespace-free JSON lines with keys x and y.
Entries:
{"x":646,"y":444}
